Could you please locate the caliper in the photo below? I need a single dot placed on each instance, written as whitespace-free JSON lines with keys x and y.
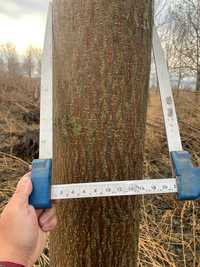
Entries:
{"x":186,"y":182}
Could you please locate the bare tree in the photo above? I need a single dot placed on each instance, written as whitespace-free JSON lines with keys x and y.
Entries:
{"x":186,"y":30}
{"x":9,"y":56}
{"x":29,"y":64}
{"x":38,"y":62}
{"x":32,"y":61}
{"x":2,"y":65}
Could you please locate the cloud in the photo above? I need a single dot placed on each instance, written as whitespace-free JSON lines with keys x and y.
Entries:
{"x":19,"y":8}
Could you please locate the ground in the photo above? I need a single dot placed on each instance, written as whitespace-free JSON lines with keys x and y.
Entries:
{"x":170,"y":230}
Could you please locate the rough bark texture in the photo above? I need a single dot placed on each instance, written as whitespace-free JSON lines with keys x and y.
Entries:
{"x":102,"y":55}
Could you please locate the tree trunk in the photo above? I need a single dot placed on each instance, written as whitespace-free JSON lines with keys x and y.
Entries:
{"x":102,"y":54}
{"x":179,"y":82}
{"x":198,"y":79}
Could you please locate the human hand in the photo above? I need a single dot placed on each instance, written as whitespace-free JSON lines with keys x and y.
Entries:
{"x":23,"y":230}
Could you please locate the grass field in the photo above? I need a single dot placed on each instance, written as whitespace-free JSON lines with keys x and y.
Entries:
{"x":170,"y":230}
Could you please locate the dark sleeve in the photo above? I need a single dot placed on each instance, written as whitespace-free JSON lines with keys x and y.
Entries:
{"x":9,"y":264}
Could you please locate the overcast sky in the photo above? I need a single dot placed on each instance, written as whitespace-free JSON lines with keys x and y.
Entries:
{"x":22,"y":22}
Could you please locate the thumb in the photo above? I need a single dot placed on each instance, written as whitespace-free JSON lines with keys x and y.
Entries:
{"x":24,"y":189}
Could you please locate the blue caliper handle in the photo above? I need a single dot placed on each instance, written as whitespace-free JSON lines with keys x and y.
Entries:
{"x":188,"y":177}
{"x":41,"y":179}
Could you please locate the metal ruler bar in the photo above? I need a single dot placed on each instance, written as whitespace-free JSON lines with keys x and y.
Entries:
{"x":46,"y":105}
{"x":168,"y":106}
{"x":115,"y":188}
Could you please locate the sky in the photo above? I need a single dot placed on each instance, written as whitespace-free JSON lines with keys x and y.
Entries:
{"x":22,"y":22}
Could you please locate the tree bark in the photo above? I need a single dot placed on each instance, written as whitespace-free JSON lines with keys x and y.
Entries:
{"x":102,"y":54}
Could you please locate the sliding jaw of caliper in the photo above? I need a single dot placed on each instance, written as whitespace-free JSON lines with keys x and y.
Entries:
{"x":187,"y":182}
{"x":188,"y":177}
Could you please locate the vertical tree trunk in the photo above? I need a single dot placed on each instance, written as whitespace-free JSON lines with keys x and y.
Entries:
{"x":179,"y":82}
{"x":102,"y":53}
{"x":198,"y":79}
{"x":198,"y":56}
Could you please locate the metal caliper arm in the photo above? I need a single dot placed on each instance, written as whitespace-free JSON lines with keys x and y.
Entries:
{"x":187,"y":181}
{"x":42,"y":168}
{"x":188,"y":177}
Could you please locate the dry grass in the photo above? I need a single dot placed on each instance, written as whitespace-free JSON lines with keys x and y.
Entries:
{"x":170,"y":230}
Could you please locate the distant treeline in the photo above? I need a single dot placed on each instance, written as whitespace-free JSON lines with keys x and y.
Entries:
{"x":178,"y":23}
{"x":27,"y":65}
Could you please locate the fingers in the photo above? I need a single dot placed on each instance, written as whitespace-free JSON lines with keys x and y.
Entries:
{"x":48,"y":219}
{"x":24,"y":189}
{"x":39,"y":212}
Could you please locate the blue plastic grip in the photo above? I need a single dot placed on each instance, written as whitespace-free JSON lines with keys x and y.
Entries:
{"x":41,"y":179}
{"x":188,"y":177}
